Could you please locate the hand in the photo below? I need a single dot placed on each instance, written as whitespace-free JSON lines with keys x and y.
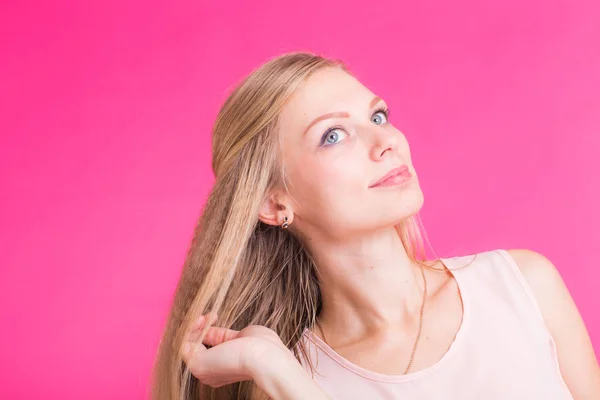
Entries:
{"x":235,"y":355}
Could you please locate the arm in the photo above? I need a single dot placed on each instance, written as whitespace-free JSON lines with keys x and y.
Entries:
{"x":287,"y":380}
{"x":578,"y":364}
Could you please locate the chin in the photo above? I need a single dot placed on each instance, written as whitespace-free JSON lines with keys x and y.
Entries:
{"x":406,"y":205}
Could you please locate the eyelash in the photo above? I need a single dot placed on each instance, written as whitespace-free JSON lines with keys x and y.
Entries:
{"x":382,"y":109}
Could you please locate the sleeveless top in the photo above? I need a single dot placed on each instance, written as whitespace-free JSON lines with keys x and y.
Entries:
{"x":502,"y":349}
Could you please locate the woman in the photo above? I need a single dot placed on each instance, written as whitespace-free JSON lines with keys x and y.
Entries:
{"x":307,"y":276}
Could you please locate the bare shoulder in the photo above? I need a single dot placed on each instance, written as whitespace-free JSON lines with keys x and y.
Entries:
{"x":546,"y":283}
{"x":577,"y":360}
{"x":539,"y":272}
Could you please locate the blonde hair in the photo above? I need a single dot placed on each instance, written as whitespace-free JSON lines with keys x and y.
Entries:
{"x":246,"y":271}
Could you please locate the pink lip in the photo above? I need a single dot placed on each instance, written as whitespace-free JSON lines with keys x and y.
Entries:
{"x":394,"y":177}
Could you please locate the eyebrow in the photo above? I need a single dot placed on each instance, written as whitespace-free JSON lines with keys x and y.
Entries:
{"x":339,"y":114}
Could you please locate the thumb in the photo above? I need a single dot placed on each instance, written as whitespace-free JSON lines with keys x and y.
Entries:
{"x":217,"y":335}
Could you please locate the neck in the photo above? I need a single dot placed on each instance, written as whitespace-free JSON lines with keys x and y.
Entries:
{"x":368,"y":284}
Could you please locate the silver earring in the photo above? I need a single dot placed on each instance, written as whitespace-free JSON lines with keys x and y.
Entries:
{"x":285,"y":223}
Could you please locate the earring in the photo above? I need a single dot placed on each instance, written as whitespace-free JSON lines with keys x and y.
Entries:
{"x":285,"y":223}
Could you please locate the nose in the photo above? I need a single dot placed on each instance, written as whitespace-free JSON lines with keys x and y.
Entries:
{"x":382,"y":142}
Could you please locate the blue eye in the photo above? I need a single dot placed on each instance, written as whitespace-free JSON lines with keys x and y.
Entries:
{"x":331,"y":136}
{"x":331,"y":133}
{"x":382,"y":111}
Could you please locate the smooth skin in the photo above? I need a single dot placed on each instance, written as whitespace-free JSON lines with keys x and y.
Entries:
{"x":577,"y":361}
{"x":371,"y":290}
{"x":253,"y":353}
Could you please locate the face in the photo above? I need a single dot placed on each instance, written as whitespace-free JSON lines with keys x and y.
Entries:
{"x":336,"y":143}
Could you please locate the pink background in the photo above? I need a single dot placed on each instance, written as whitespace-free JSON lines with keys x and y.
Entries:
{"x":106,"y":111}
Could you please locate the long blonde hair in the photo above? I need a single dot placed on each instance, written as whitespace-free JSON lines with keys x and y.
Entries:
{"x":248,"y":272}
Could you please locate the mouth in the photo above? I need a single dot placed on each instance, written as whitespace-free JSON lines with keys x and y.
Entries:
{"x":396,"y":176}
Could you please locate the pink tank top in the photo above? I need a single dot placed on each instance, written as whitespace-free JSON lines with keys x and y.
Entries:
{"x":502,"y":349}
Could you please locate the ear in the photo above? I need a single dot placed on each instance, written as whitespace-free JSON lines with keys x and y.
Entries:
{"x":274,"y":210}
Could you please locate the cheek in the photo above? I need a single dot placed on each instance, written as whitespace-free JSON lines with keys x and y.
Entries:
{"x":340,"y":184}
{"x":331,"y":182}
{"x":343,"y":178}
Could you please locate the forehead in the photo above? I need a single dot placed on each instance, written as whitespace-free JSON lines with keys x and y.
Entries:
{"x":326,"y":90}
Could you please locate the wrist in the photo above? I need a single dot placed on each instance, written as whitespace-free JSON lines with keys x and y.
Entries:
{"x":283,"y":378}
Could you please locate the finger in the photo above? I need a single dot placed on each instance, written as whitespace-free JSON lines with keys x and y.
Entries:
{"x":214,"y":336}
{"x":191,"y":344}
{"x":188,"y":350}
{"x":220,"y":363}
{"x":197,"y":326}
{"x":217,"y":335}
{"x":201,"y":320}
